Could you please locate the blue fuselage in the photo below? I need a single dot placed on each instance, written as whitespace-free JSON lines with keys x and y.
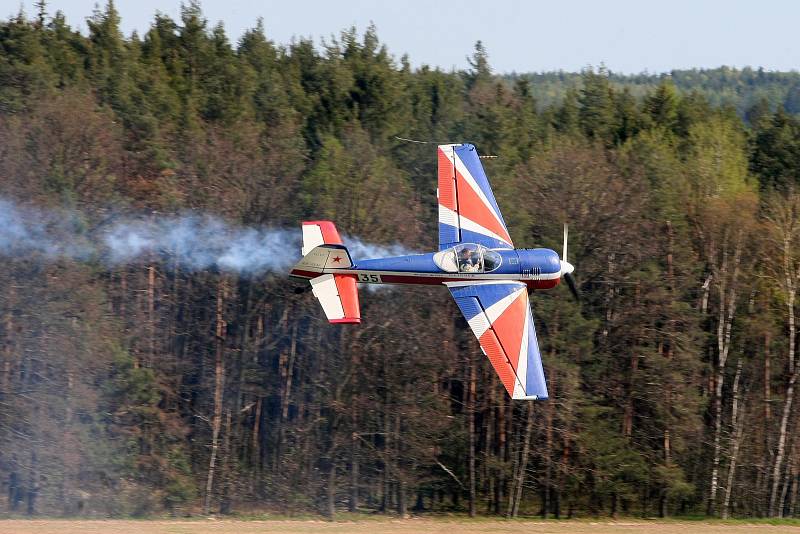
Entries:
{"x":540,"y":268}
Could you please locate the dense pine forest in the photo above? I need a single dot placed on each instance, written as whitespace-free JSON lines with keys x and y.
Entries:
{"x":724,"y":86}
{"x":152,"y":387}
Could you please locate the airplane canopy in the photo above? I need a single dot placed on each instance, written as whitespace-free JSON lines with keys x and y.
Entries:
{"x":467,"y":258}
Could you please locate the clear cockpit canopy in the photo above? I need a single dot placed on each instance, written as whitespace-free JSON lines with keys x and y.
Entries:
{"x":467,"y":258}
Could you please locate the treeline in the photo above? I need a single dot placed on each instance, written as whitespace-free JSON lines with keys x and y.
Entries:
{"x":149,"y":388}
{"x":723,"y":86}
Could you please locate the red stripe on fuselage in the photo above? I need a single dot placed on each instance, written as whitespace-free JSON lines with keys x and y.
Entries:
{"x":425,"y":280}
{"x":436,"y":280}
{"x":304,"y":274}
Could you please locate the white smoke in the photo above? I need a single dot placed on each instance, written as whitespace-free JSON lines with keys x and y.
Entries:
{"x":25,"y":231}
{"x":190,"y":241}
{"x":360,"y":250}
{"x":201,"y":242}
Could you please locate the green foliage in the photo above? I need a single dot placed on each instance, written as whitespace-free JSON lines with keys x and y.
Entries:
{"x":718,"y":160}
{"x":596,"y":114}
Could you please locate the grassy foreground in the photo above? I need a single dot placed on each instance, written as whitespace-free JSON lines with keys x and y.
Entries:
{"x":390,"y":526}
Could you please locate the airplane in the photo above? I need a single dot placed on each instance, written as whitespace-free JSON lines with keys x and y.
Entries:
{"x":489,"y":279}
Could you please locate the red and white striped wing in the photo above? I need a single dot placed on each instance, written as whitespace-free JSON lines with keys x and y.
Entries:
{"x":499,"y":315}
{"x":468,"y":211}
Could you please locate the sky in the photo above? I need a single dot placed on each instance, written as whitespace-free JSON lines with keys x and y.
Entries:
{"x":626,"y":36}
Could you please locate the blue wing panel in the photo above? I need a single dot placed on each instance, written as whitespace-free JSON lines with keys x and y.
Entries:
{"x":535,"y":383}
{"x":487,"y":294}
{"x":468,"y":306}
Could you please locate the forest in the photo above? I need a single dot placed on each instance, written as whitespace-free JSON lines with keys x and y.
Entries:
{"x":151,"y":387}
{"x":741,"y":89}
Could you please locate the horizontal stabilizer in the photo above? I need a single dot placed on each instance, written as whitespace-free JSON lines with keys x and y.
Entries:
{"x":339,"y":297}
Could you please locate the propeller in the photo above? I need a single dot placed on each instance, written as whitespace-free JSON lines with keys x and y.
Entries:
{"x":567,"y":268}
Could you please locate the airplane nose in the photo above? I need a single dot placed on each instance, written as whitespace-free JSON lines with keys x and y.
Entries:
{"x":566,"y":267}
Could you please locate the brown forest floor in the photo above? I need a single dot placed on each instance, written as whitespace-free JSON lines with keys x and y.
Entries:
{"x":397,"y":526}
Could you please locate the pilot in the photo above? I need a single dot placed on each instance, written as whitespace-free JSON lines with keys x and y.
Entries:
{"x":469,"y":260}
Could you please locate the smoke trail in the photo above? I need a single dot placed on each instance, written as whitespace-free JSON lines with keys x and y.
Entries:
{"x":201,"y":242}
{"x":26,"y":231}
{"x":193,"y":242}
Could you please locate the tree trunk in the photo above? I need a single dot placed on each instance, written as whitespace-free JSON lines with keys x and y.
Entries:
{"x":727,"y":309}
{"x":788,"y":474}
{"x":471,"y":416}
{"x":352,"y":504}
{"x":151,"y":311}
{"x":255,"y":444}
{"x":793,"y":496}
{"x":776,"y":466}
{"x":219,"y":385}
{"x":666,"y":438}
{"x":503,"y":419}
{"x":286,"y":366}
{"x":763,"y":486}
{"x":8,"y":344}
{"x":548,"y":454}
{"x":402,"y":502}
{"x":33,"y":485}
{"x":523,"y":462}
{"x":330,"y":493}
{"x":225,"y":500}
{"x":738,"y":424}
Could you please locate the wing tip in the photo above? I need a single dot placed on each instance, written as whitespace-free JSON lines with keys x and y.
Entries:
{"x":531,"y":397}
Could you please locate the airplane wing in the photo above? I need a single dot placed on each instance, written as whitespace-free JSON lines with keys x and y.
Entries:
{"x":468,"y":212}
{"x":499,"y":314}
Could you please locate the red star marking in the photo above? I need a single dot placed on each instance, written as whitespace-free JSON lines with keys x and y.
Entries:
{"x":337,"y":259}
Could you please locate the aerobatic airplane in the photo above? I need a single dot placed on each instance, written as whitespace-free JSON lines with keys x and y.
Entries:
{"x":488,"y":278}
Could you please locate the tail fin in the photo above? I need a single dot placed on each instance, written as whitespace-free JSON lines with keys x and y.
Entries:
{"x":321,"y":259}
{"x":323,"y":254}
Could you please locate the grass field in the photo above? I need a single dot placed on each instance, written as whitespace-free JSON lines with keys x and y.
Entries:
{"x":389,"y":526}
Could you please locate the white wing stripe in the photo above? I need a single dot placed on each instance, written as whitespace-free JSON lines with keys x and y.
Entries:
{"x":472,"y":226}
{"x":448,"y":216}
{"x":479,"y":324}
{"x":522,"y":363}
